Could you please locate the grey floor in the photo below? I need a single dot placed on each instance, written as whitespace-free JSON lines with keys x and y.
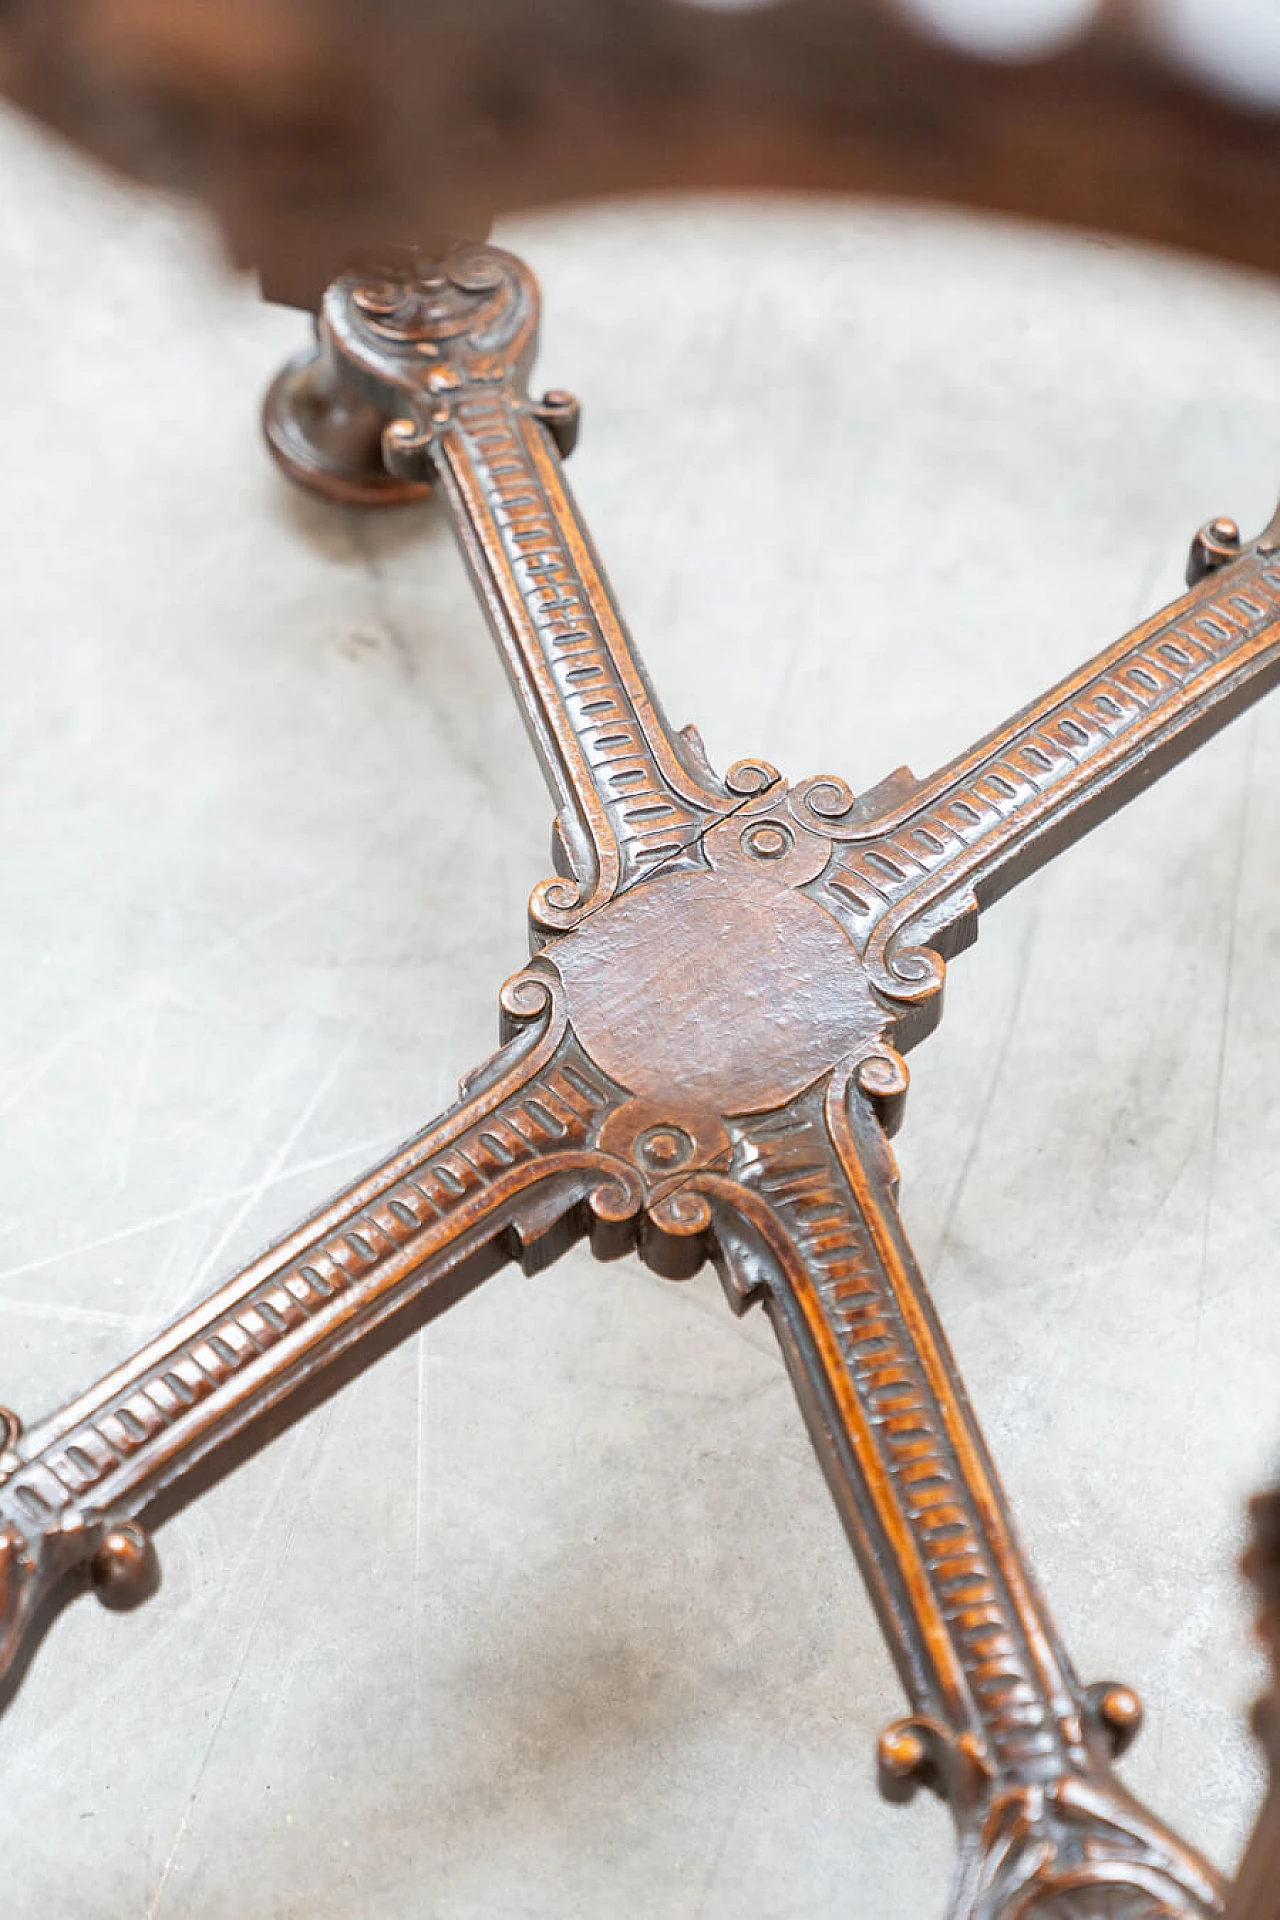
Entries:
{"x":548,"y":1616}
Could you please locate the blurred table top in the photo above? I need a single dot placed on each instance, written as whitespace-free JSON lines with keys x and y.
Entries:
{"x":321,"y":131}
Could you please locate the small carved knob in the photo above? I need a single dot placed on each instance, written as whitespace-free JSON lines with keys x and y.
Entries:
{"x":885,"y":1078}
{"x":1214,"y":545}
{"x":906,"y":1760}
{"x":561,"y":415}
{"x":10,"y":1434}
{"x":903,"y":1750}
{"x":1120,"y":1714}
{"x":664,"y":1148}
{"x":768,"y":840}
{"x":125,"y":1569}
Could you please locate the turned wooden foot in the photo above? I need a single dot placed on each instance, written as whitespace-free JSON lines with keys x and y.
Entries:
{"x":328,"y":436}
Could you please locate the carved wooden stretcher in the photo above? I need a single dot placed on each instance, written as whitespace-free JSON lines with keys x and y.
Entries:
{"x":793,"y":935}
{"x":703,"y":1060}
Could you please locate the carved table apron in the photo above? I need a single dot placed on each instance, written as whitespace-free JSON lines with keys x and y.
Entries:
{"x":702,"y":1061}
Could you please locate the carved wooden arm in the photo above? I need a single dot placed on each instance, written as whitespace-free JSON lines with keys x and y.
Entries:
{"x":915,"y":860}
{"x":505,"y":1174}
{"x":448,"y":365}
{"x":999,"y":1725}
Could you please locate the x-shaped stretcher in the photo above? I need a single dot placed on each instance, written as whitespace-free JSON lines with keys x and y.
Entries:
{"x":703,"y":1060}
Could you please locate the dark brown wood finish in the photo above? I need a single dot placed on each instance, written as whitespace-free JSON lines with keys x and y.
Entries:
{"x":702,"y":1061}
{"x":1256,"y":1895}
{"x":319,"y":129}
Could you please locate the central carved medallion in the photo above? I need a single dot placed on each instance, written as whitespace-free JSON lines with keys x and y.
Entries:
{"x":641,"y":975}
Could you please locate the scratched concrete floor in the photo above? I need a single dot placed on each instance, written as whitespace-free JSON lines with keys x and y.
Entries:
{"x":549,"y":1616}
